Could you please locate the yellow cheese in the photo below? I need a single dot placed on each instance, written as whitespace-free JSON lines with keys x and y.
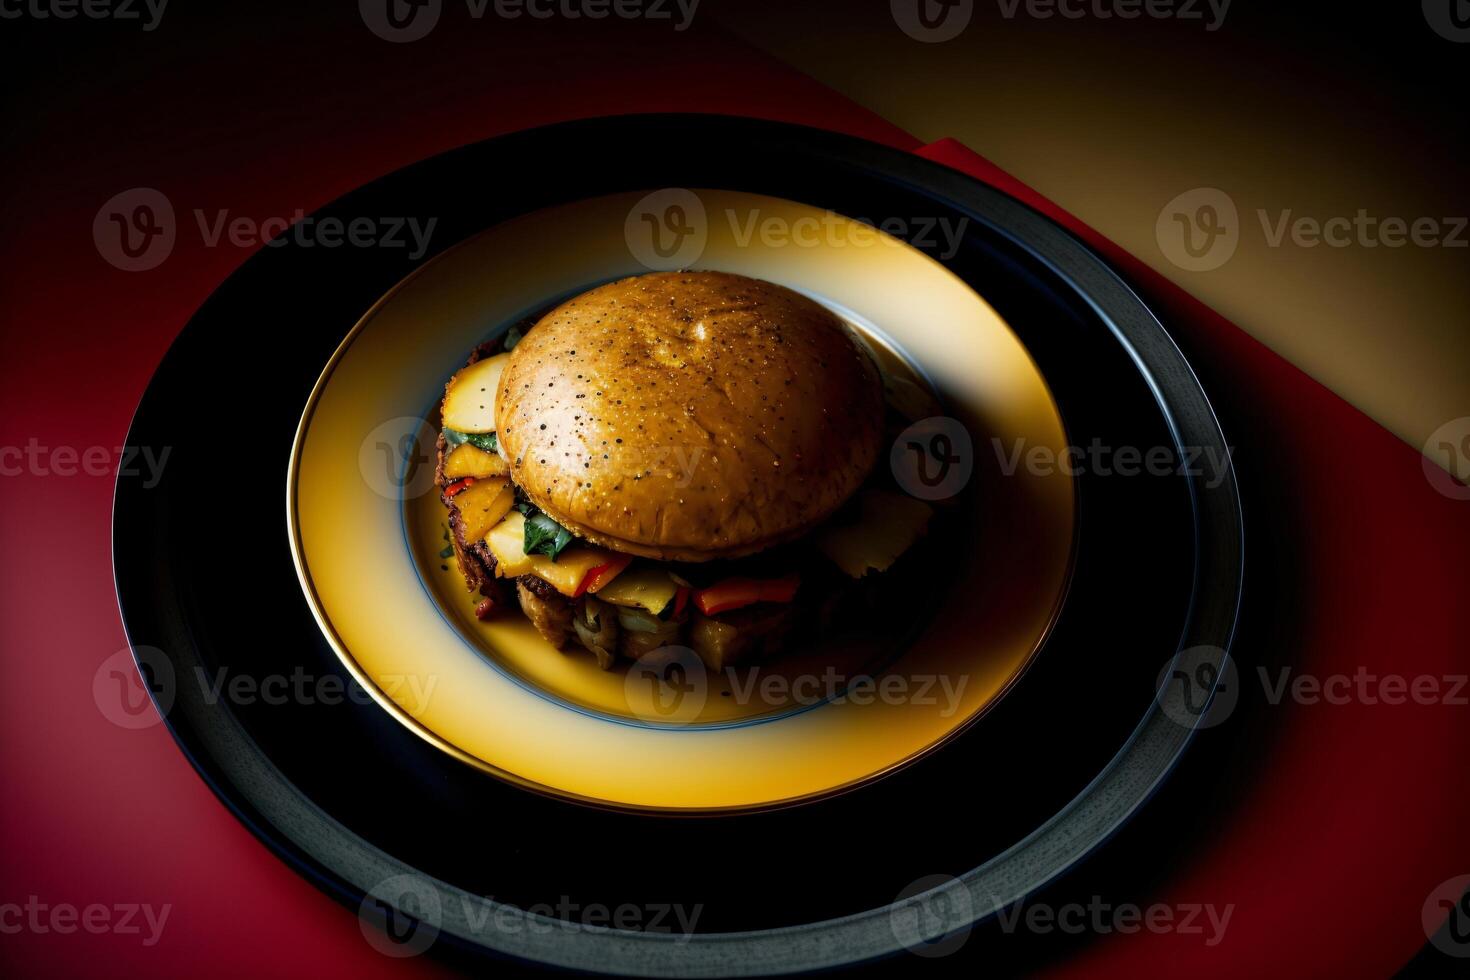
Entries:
{"x":507,"y":543}
{"x":648,"y":588}
{"x":482,"y":504}
{"x":469,"y":400}
{"x":570,"y":567}
{"x":889,"y":524}
{"x":467,"y":460}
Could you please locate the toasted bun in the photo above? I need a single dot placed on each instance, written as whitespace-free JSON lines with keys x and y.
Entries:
{"x":689,"y":415}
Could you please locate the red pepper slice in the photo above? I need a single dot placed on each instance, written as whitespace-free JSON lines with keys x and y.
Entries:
{"x":735,"y":593}
{"x":600,"y":575}
{"x":457,"y":486}
{"x":681,"y":599}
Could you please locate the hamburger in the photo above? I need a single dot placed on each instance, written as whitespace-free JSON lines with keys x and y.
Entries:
{"x":675,"y":458}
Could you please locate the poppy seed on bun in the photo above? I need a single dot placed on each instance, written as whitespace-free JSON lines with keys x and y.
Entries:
{"x":689,"y":415}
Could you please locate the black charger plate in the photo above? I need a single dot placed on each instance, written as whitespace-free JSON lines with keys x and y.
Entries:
{"x":370,"y":812}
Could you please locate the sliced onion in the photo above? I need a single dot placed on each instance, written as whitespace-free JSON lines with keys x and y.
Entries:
{"x":643,"y":632}
{"x":596,"y":630}
{"x":640,"y":620}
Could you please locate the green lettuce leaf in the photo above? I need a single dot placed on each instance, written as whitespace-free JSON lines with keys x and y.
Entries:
{"x":480,"y":440}
{"x":543,"y":535}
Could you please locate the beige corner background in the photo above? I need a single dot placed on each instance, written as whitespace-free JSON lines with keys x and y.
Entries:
{"x":1113,"y":119}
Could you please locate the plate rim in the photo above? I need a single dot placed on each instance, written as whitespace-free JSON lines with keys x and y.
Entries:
{"x":400,"y":715}
{"x":292,"y":825}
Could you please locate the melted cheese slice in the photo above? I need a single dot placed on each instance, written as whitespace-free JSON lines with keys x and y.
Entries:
{"x":507,"y":543}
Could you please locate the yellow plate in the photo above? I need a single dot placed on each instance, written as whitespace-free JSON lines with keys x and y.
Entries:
{"x":367,"y":529}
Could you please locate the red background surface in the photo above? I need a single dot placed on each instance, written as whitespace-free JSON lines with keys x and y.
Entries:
{"x":1355,"y":813}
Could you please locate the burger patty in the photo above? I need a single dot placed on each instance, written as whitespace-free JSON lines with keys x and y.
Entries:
{"x":548,"y":609}
{"x":541,"y":588}
{"x":475,"y":561}
{"x":550,"y":612}
{"x":477,"y":564}
{"x":741,"y":635}
{"x":744,"y":634}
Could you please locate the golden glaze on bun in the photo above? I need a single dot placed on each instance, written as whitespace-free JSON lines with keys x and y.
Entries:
{"x":689,"y":415}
